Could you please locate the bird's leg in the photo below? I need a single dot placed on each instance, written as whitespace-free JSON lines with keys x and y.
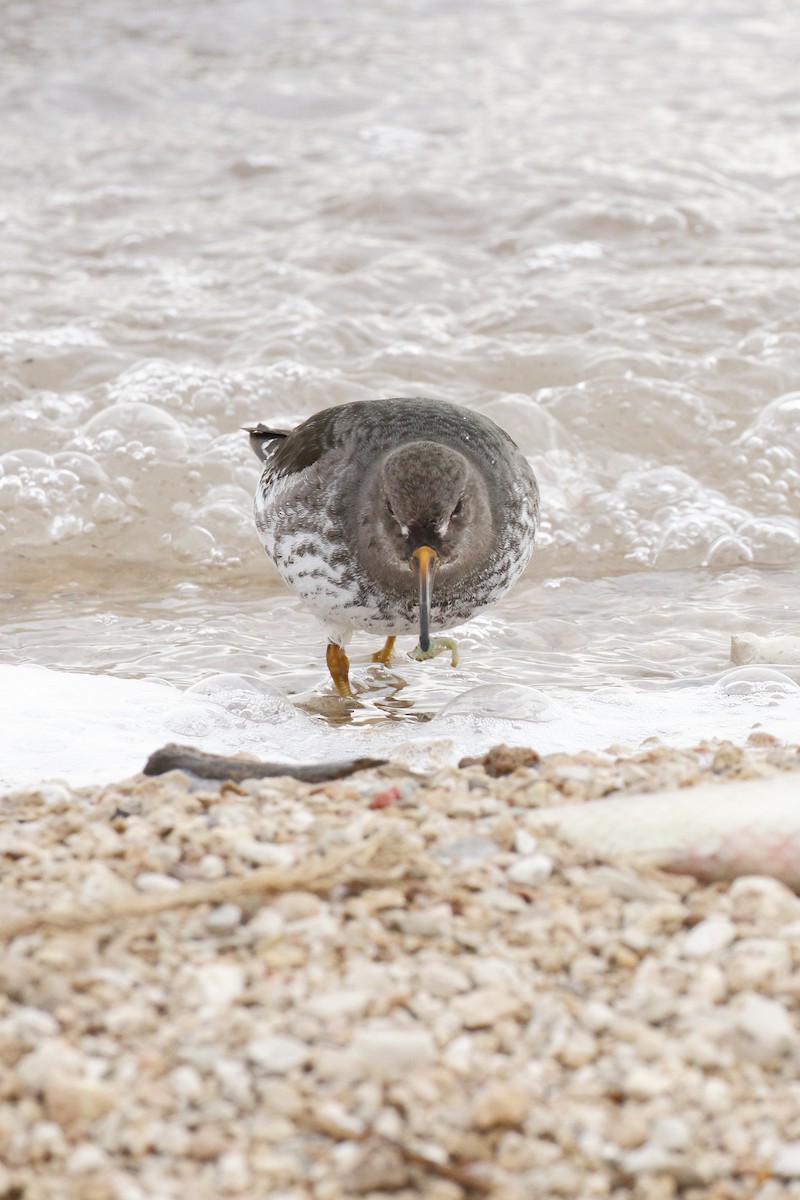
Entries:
{"x":385,"y":655}
{"x":339,"y":667}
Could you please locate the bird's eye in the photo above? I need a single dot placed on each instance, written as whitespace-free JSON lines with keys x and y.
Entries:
{"x":459,"y":508}
{"x":389,"y":509}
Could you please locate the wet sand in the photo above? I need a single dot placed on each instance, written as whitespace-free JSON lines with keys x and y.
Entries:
{"x":391,"y":985}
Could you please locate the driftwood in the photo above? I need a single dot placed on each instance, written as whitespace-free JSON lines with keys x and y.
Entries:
{"x":459,"y":1173}
{"x":217,"y":766}
{"x":382,"y":860}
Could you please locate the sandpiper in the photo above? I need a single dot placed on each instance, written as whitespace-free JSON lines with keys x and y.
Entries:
{"x":392,"y":515}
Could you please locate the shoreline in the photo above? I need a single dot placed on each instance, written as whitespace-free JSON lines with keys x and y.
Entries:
{"x":392,"y":985}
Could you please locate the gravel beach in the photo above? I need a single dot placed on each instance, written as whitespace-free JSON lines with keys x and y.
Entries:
{"x":391,"y":985}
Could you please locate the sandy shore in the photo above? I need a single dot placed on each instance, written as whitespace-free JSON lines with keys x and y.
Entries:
{"x":389,"y":986}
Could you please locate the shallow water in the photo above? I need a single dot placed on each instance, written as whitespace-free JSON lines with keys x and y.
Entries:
{"x":584,"y":223}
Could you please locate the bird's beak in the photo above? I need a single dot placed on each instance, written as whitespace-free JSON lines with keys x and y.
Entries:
{"x":424,"y":561}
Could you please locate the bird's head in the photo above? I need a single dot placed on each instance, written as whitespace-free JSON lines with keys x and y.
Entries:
{"x":433,"y":517}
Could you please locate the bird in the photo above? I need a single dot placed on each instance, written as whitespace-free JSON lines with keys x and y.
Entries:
{"x":392,"y":515}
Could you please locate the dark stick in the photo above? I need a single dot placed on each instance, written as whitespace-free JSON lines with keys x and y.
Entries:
{"x":217,"y":766}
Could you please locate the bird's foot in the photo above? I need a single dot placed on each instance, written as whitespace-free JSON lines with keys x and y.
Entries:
{"x":339,"y":667}
{"x":437,"y":645}
{"x":384,"y":655}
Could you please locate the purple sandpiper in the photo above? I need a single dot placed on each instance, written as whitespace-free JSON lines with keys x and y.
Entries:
{"x":392,"y":515}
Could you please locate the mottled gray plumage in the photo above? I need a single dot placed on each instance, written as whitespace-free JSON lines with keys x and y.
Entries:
{"x":347,"y":496}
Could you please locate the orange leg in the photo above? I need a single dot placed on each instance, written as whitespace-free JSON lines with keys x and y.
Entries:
{"x":339,"y":667}
{"x":385,"y":655}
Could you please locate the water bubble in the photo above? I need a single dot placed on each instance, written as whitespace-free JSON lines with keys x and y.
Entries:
{"x":758,"y":683}
{"x":513,"y":701}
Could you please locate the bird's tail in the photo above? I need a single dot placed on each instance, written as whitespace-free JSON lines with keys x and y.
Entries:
{"x":260,"y":435}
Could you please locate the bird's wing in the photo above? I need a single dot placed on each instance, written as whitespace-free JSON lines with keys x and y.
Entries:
{"x":260,"y":436}
{"x":305,"y":445}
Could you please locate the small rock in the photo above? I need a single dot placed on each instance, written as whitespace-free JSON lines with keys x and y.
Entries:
{"x":153,"y":881}
{"x":442,"y":980}
{"x":224,"y":918}
{"x":532,"y":870}
{"x":265,"y":854}
{"x":786,"y":1162}
{"x":186,"y":1082}
{"x":475,"y":847}
{"x":278,"y":1054}
{"x":597,"y":1016}
{"x":379,"y":1167}
{"x":645,"y":1082}
{"x":524,"y":842}
{"x":85,"y":1158}
{"x":102,"y":887}
{"x":333,"y":1005}
{"x":69,"y":1100}
{"x":759,"y":897}
{"x":709,"y":937}
{"x":425,"y":922}
{"x":388,"y":1053}
{"x":267,"y":925}
{"x":52,"y":1055}
{"x":761,"y":1029}
{"x":501,"y":1103}
{"x":207,"y":1144}
{"x":210,"y":866}
{"x":233,"y":1174}
{"x":485,"y":1006}
{"x":577,"y":1050}
{"x":671,"y":1133}
{"x":217,"y":984}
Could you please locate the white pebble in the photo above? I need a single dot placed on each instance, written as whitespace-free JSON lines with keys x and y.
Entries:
{"x":338,"y":1003}
{"x":85,"y":1158}
{"x":786,"y":1162}
{"x":224,"y":918}
{"x":186,"y":1082}
{"x":233,"y":1173}
{"x":388,"y":1053}
{"x":761,"y":1029}
{"x":152,"y":881}
{"x":597,"y":1016}
{"x":267,"y":925}
{"x":277,"y":1054}
{"x":265,"y":854}
{"x":671,"y":1133}
{"x":211,"y":866}
{"x":51,"y":1057}
{"x":441,"y":980}
{"x":217,"y":984}
{"x":532,"y":870}
{"x":524,"y":842}
{"x":709,"y":937}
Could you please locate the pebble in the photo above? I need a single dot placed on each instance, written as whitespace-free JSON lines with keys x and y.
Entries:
{"x":386,"y":1053}
{"x":709,"y":937}
{"x":786,"y":1162}
{"x":442,"y":980}
{"x":70,"y":1100}
{"x":532,"y":870}
{"x":86,"y":1158}
{"x":760,"y":1029}
{"x":224,"y":918}
{"x":153,"y":881}
{"x":278,"y":1054}
{"x":287,"y":1045}
{"x":485,"y":1006}
{"x":500,"y":1103}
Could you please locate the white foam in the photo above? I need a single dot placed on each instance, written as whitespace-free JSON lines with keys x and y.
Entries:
{"x":90,"y":728}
